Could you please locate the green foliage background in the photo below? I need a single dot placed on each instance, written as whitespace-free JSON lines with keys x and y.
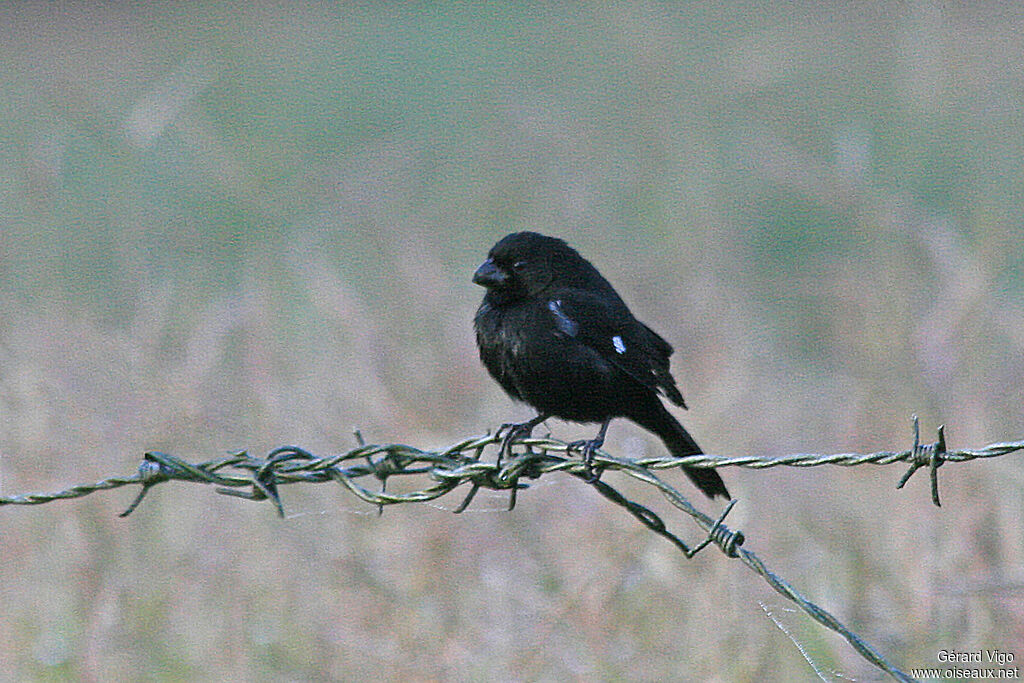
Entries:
{"x":228,"y":226}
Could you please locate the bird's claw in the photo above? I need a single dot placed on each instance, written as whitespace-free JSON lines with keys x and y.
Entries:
{"x":587,"y":448}
{"x":516,"y":430}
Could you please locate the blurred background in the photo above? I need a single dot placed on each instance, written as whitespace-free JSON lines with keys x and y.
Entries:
{"x":239,"y":225}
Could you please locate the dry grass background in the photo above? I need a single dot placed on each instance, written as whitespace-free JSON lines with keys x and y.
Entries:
{"x":236,"y":226}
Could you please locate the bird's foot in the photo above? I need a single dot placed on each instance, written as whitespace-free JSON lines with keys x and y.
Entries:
{"x":587,"y":448}
{"x":516,"y":431}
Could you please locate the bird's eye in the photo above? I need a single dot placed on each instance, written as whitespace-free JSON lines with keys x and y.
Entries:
{"x":519,"y":265}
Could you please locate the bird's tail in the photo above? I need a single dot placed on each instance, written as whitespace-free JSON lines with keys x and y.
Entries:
{"x":680,"y":443}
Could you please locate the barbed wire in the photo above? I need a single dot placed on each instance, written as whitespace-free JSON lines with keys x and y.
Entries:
{"x":245,"y":476}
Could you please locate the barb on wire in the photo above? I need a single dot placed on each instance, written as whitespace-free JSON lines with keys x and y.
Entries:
{"x":927,"y":454}
{"x":245,"y":476}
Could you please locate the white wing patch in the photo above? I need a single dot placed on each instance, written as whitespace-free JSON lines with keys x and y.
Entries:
{"x":620,"y":346}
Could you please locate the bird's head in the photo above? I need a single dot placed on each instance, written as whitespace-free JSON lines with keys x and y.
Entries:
{"x":525,"y":264}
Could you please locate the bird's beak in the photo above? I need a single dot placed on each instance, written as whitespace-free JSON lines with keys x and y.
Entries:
{"x":489,"y":275}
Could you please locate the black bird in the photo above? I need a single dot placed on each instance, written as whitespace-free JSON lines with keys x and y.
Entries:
{"x":556,"y":335}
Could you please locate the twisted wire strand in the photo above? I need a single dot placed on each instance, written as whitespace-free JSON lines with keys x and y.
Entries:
{"x":242,"y":475}
{"x":461,"y":462}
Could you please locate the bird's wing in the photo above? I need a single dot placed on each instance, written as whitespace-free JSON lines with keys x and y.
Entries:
{"x":608,"y":327}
